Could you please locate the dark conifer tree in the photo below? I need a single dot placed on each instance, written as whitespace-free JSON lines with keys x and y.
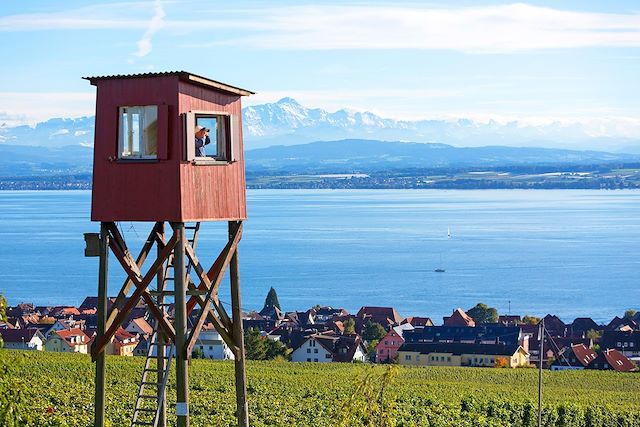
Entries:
{"x":271,"y":300}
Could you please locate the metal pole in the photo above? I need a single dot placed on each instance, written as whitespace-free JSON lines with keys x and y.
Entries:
{"x":101,"y":324}
{"x":541,"y":359}
{"x":180,"y":300}
{"x":160,"y":349}
{"x":242,"y":411}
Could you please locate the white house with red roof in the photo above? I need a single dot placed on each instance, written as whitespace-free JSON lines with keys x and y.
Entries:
{"x":139,"y":326}
{"x":67,"y":341}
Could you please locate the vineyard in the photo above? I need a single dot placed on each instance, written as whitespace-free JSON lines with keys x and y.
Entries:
{"x":53,"y":389}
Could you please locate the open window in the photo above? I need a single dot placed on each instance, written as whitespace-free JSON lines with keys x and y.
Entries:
{"x":138,"y":132}
{"x":211,"y":137}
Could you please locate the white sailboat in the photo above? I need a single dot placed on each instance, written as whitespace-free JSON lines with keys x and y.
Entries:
{"x":448,"y":232}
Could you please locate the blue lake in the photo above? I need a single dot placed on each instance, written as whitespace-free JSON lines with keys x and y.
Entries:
{"x":572,"y":253}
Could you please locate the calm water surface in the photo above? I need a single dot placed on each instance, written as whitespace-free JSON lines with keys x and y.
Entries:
{"x":572,"y":253}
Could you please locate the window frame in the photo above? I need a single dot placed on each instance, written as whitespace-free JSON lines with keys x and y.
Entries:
{"x":143,"y":135}
{"x":227,"y":137}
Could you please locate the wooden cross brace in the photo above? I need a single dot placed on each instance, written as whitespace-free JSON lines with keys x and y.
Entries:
{"x":134,"y":276}
{"x":210,"y":282}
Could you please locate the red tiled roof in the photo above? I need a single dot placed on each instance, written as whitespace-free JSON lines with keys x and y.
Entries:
{"x":69,"y":334}
{"x":583,"y":354}
{"x":459,"y":318}
{"x":618,"y":361}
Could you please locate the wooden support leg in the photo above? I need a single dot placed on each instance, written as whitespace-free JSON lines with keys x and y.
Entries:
{"x":160,"y":349}
{"x":238,"y":334}
{"x":180,"y":299}
{"x":102,"y":321}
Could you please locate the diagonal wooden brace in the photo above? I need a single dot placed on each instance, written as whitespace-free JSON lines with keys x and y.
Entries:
{"x":136,"y":277}
{"x":141,"y":289}
{"x":126,"y":287}
{"x":212,"y":287}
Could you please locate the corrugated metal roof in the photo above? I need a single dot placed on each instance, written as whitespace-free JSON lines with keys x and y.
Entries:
{"x":183,"y":75}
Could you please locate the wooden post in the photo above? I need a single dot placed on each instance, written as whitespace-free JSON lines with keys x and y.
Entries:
{"x":541,"y":357}
{"x":160,"y":348}
{"x":101,"y":324}
{"x":180,"y":301}
{"x":238,"y":334}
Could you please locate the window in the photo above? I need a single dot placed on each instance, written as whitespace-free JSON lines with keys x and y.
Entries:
{"x":308,"y":360}
{"x":315,"y":350}
{"x":315,"y":360}
{"x":138,"y":132}
{"x":407,"y":357}
{"x":308,"y":350}
{"x":211,"y":137}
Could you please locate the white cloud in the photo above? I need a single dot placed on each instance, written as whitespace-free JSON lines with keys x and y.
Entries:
{"x":97,"y":17}
{"x":478,"y":29}
{"x":33,"y":107}
{"x":482,"y":29}
{"x":156,"y":23}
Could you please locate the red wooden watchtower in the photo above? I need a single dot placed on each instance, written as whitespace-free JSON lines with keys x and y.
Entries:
{"x":168,"y":148}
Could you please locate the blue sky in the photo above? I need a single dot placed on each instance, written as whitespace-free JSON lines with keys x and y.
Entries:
{"x":536,"y":61}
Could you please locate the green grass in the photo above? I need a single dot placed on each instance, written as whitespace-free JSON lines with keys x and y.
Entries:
{"x":59,"y":391}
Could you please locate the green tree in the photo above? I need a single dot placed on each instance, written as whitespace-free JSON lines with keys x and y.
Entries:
{"x":275,"y":349}
{"x":482,"y":313}
{"x":349,"y":326}
{"x":271,"y":300}
{"x":254,"y":346}
{"x":630,"y":313}
{"x":3,"y":308}
{"x":258,"y":347}
{"x":197,"y":353}
{"x":593,"y":334}
{"x":373,"y":331}
{"x":530,"y":320}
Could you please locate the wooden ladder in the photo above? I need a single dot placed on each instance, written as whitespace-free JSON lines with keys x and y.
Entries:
{"x":153,"y":392}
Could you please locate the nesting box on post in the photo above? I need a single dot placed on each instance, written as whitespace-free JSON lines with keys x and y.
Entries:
{"x":168,"y":148}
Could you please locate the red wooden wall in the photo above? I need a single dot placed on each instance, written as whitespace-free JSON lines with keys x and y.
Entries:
{"x":169,"y":189}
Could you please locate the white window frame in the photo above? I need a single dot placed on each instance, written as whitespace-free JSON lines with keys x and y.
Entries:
{"x":227,"y":137}
{"x":143,"y":112}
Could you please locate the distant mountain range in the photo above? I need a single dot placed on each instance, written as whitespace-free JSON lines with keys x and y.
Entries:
{"x":325,"y":156}
{"x":369,"y":155}
{"x":287,"y":122}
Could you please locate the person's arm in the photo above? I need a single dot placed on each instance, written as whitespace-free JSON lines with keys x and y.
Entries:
{"x":199,"y":143}
{"x":207,"y":140}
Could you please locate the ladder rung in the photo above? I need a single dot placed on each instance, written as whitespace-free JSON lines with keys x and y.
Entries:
{"x":151,"y":383}
{"x":146,"y":396}
{"x":145,"y":410}
{"x":190,"y":227}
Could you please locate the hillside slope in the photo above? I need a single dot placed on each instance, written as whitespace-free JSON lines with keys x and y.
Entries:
{"x":59,"y":391}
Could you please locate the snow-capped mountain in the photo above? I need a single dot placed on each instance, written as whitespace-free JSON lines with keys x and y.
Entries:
{"x":52,"y":133}
{"x":287,"y":122}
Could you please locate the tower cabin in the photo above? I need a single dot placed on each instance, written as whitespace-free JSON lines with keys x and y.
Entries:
{"x":148,"y":164}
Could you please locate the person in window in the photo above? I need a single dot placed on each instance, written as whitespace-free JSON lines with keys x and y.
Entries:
{"x":202,"y":139}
